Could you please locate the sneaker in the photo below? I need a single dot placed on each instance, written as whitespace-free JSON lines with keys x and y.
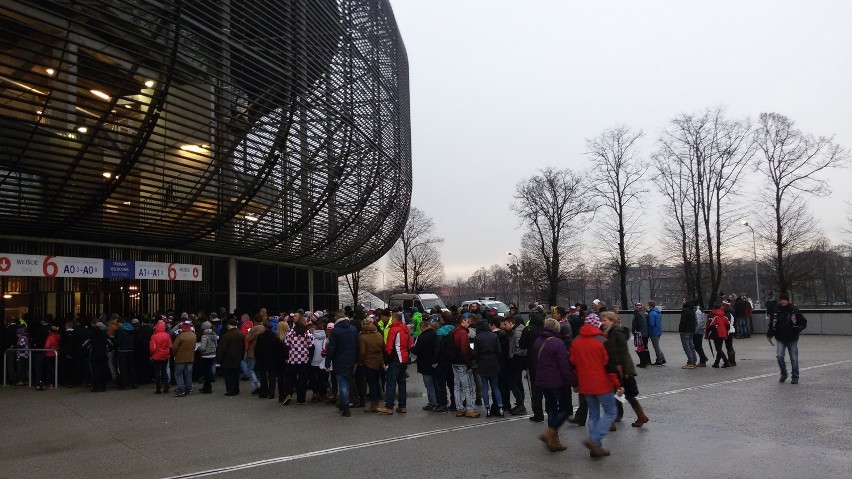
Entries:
{"x":488,"y":412}
{"x":537,"y":418}
{"x":702,"y":364}
{"x":287,"y":400}
{"x":688,"y":366}
{"x":440,"y":409}
{"x":518,"y":410}
{"x":782,"y":379}
{"x":473,"y":414}
{"x":459,"y":413}
{"x":500,"y":412}
{"x":794,"y":381}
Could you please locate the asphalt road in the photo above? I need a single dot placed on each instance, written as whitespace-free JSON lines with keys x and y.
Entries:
{"x":739,"y":422}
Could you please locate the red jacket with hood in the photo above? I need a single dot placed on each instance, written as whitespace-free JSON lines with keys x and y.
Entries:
{"x":397,"y":328}
{"x":161,"y":342}
{"x":595,"y":370}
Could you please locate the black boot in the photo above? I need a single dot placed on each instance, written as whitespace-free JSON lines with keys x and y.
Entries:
{"x":732,"y":358}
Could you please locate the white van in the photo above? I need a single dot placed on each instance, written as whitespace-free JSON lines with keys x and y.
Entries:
{"x":423,"y":301}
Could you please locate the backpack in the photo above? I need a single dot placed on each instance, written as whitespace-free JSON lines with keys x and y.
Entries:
{"x":449,"y":352}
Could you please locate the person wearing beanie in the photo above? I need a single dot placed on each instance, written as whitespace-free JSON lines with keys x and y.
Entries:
{"x":785,"y":325}
{"x":160,"y":347}
{"x":209,"y":343}
{"x":183,"y":350}
{"x":597,"y":377}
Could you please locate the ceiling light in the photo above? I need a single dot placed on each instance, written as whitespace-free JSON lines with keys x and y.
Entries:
{"x":100,"y":94}
{"x":50,"y":71}
{"x":126,"y":203}
{"x":127,"y":106}
{"x":82,"y":129}
{"x":149,"y":84}
{"x":193,"y":148}
{"x":250,"y":217}
{"x":7,"y":296}
{"x":107,"y":174}
{"x":39,"y":112}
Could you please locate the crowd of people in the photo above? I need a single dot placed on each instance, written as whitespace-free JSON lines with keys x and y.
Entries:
{"x":354,"y":358}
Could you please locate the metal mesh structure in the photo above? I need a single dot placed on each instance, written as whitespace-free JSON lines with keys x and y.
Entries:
{"x":265,"y":129}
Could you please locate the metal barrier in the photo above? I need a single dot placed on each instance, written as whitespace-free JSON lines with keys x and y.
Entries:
{"x":30,"y":357}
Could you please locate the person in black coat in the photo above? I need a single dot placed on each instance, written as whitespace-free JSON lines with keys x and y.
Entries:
{"x":343,"y":350}
{"x":424,"y":348}
{"x":267,"y":353}
{"x":528,"y":337}
{"x":487,"y":354}
{"x":97,"y":347}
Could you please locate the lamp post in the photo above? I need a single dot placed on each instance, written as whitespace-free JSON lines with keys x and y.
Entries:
{"x":384,"y":288}
{"x":754,"y":244}
{"x":517,"y":264}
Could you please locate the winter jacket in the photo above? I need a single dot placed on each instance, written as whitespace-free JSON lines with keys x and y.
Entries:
{"x":184,"y":347}
{"x":596,"y":372}
{"x":161,"y":343}
{"x":209,"y":343}
{"x":398,"y":342}
{"x":320,"y":342}
{"x":700,"y":321}
{"x":300,"y":342}
{"x":98,"y":345}
{"x":616,"y":348}
{"x":251,"y":339}
{"x":444,"y":350}
{"x":576,"y":323}
{"x":125,"y":338}
{"x":720,"y":323}
{"x":550,"y":361}
{"x":503,"y":357}
{"x":370,"y":347}
{"x":52,"y":342}
{"x":786,"y":324}
{"x":384,"y":327}
{"x":640,"y":323}
{"x":530,"y":335}
{"x":424,"y":348}
{"x":342,"y":348}
{"x":461,"y":339}
{"x":416,"y":319}
{"x":266,"y":351}
{"x":230,"y":350}
{"x":486,"y":351}
{"x":655,"y":322}
{"x":687,"y":319}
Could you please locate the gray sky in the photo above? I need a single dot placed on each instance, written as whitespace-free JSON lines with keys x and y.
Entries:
{"x":500,"y":88}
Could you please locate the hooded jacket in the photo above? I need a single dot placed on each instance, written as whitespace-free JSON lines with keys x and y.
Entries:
{"x":251,"y":339}
{"x":161,"y":343}
{"x":486,"y":351}
{"x":209,"y":342}
{"x":596,"y":372}
{"x":720,"y":323}
{"x":184,"y":347}
{"x":550,"y":360}
{"x":320,"y":341}
{"x":125,"y":338}
{"x":461,"y":338}
{"x":655,"y":322}
{"x":342,"y":348}
{"x":370,"y":347}
{"x":687,"y":319}
{"x":416,"y":319}
{"x":640,"y":323}
{"x":397,"y":344}
{"x":424,"y":348}
{"x":616,"y":347}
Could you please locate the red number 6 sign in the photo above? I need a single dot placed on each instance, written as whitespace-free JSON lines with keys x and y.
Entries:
{"x":50,"y":268}
{"x":172,"y":272}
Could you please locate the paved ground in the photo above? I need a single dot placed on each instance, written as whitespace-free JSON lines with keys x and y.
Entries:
{"x":738,"y":422}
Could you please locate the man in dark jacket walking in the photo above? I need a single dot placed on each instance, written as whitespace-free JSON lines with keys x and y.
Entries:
{"x":686,"y":328}
{"x":424,"y":348}
{"x":486,"y":353}
{"x":229,"y":354}
{"x":785,"y":325}
{"x":528,"y":338}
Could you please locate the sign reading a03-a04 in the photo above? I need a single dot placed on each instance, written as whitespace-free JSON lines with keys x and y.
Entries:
{"x":70,"y":267}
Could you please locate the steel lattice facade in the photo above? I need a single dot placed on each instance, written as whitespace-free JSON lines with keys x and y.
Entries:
{"x":274,"y":130}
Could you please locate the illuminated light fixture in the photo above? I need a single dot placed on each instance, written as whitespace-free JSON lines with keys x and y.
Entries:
{"x":82,"y":129}
{"x":126,"y":203}
{"x":250,"y":217}
{"x":127,"y":106}
{"x":107,"y":174}
{"x":23,"y":85}
{"x":100,"y":94}
{"x":7,"y":296}
{"x":83,"y":110}
{"x":39,"y":112}
{"x":72,"y":136}
{"x":50,"y":71}
{"x":194,"y":148}
{"x":149,"y":84}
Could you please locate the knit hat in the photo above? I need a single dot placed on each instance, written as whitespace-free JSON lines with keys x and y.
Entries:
{"x":186,"y":325}
{"x":206,"y":325}
{"x":329,"y":326}
{"x":184,"y":316}
{"x":593,"y":319}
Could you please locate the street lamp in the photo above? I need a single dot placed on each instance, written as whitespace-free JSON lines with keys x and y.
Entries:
{"x":754,"y":243}
{"x":517,"y":264}
{"x":384,"y":289}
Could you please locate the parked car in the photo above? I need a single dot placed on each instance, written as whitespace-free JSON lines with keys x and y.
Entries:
{"x":489,"y":303}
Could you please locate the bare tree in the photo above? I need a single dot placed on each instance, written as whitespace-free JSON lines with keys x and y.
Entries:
{"x":363,"y":279}
{"x":548,"y":204}
{"x":791,"y":162}
{"x":616,"y":182}
{"x":414,"y":260}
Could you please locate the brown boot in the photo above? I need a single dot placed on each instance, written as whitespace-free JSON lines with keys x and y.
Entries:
{"x":613,"y":427}
{"x":595,"y":450}
{"x":641,"y":418}
{"x":555,"y":445}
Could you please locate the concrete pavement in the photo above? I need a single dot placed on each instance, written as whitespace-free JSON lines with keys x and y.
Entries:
{"x":738,"y":422}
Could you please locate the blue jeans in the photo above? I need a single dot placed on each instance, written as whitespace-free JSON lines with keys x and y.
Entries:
{"x":793,"y":347}
{"x":395,"y":379}
{"x":742,"y":326}
{"x":342,"y":389}
{"x":598,"y":424}
{"x":431,"y":395}
{"x":655,"y":341}
{"x":255,"y":383}
{"x":492,"y":383}
{"x":183,"y":377}
{"x":688,"y":347}
{"x":462,"y":388}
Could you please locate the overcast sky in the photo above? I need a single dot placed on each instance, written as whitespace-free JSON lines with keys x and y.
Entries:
{"x":501,"y":88}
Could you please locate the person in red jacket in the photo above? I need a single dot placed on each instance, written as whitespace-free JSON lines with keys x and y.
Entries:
{"x":52,"y":342}
{"x":597,"y":378}
{"x":396,"y":348}
{"x":160,"y":347}
{"x":717,"y":330}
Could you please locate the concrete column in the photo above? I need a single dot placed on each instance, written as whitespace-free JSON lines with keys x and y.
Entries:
{"x":311,"y":288}
{"x":232,"y":284}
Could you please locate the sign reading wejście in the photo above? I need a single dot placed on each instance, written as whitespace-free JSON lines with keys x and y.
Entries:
{"x":70,"y":267}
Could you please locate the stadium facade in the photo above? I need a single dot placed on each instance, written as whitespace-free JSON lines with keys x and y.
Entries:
{"x":193,"y":155}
